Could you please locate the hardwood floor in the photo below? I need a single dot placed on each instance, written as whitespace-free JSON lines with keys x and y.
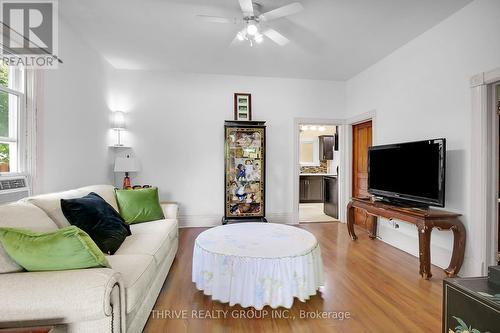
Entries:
{"x":377,"y":284}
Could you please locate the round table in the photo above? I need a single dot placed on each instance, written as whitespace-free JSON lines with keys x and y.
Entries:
{"x":257,"y":264}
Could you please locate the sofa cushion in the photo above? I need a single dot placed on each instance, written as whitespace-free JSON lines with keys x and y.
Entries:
{"x":151,"y":238}
{"x":7,"y":264}
{"x":51,"y":203}
{"x":155,"y":227}
{"x":62,"y":249}
{"x":137,"y":206}
{"x":97,"y":218}
{"x":21,"y":215}
{"x":107,"y":192}
{"x":27,"y":216}
{"x":138,"y":272}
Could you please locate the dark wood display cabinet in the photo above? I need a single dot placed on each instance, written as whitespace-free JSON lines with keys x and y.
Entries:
{"x":244,"y":171}
{"x":311,"y":189}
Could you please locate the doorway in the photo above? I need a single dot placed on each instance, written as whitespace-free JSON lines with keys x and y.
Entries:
{"x":317,"y":170}
{"x":497,"y":134}
{"x":484,"y":171}
{"x":361,"y":141}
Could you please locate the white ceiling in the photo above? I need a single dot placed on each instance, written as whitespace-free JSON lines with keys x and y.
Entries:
{"x":330,"y":39}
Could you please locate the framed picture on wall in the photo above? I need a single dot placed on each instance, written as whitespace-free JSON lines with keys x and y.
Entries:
{"x":242,"y":106}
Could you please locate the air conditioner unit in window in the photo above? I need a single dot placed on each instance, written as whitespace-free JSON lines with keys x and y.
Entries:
{"x":13,"y":189}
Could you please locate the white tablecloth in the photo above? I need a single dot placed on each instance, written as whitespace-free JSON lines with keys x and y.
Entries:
{"x":257,"y":264}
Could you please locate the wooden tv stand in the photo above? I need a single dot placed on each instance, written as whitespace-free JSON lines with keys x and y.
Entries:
{"x":424,"y":219}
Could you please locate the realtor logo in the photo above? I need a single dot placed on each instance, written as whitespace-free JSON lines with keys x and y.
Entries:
{"x":29,"y":33}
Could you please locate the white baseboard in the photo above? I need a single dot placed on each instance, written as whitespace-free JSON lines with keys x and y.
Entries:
{"x":409,"y":244}
{"x":284,"y":218}
{"x":212,"y":220}
{"x":195,"y":221}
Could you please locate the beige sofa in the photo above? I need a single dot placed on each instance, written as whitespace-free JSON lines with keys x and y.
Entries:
{"x":116,"y":299}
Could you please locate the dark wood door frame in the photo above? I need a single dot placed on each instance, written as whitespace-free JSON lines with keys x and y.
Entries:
{"x":361,"y":140}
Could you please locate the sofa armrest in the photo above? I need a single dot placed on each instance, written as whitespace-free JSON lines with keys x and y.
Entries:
{"x":170,"y":209}
{"x":61,"y":297}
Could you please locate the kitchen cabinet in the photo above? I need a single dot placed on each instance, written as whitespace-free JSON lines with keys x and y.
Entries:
{"x":326,"y":146}
{"x":331,"y":196}
{"x":311,"y":189}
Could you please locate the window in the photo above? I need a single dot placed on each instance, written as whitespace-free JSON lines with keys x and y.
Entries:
{"x":309,"y":151}
{"x":11,"y":118}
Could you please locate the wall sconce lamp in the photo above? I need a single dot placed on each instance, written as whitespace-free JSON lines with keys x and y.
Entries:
{"x":118,"y":124}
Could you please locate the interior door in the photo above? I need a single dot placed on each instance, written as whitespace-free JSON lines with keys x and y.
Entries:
{"x":361,"y":140}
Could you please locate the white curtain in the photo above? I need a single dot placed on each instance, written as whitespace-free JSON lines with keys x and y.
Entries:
{"x":33,"y":96}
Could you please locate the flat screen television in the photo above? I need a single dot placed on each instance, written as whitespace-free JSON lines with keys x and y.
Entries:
{"x":411,"y":173}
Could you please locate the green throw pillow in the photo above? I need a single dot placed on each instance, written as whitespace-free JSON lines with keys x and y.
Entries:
{"x":138,"y":206}
{"x":67,"y":248}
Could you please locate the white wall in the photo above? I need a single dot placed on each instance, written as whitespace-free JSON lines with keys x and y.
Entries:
{"x":74,"y":121}
{"x":176,"y":130}
{"x":176,"y":120}
{"x":422,"y":91}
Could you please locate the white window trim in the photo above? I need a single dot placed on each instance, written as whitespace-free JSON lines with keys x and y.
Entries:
{"x":32,"y":103}
{"x":29,"y":104}
{"x":18,"y":137}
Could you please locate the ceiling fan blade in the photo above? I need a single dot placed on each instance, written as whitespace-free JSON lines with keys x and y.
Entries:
{"x":246,"y":7}
{"x":216,"y":19}
{"x":235,"y":42}
{"x":287,"y":10}
{"x":276,"y":37}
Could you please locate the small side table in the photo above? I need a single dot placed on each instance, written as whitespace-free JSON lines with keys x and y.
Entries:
{"x":424,"y":219}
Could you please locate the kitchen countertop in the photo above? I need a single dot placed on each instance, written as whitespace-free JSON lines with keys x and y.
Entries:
{"x":318,"y":174}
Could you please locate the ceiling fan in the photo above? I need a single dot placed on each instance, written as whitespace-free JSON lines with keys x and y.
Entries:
{"x":255,"y":22}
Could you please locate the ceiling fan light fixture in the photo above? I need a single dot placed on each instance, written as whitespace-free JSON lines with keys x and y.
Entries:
{"x":254,"y":22}
{"x":252,"y":29}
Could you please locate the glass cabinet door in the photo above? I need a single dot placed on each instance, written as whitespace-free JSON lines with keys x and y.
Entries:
{"x":244,"y":172}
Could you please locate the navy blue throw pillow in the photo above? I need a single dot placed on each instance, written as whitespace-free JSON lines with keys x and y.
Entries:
{"x":97,"y":218}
